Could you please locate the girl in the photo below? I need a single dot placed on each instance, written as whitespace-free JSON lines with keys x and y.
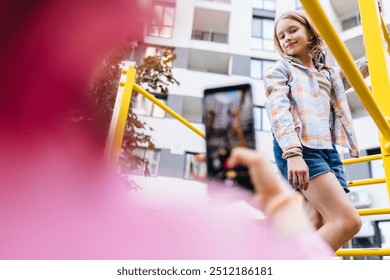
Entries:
{"x":309,"y":114}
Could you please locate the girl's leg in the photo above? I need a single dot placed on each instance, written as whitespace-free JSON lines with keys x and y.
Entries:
{"x":314,"y":216}
{"x":340,"y":218}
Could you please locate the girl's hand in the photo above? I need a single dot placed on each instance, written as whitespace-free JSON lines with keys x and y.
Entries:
{"x":298,"y":173}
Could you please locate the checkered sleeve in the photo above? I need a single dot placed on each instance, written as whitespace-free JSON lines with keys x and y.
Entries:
{"x":277,"y":104}
{"x":362,"y":65}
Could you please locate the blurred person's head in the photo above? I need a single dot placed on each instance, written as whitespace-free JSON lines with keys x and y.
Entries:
{"x":48,"y":52}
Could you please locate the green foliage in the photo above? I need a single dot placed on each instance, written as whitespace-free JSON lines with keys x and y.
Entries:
{"x":154,"y":73}
{"x":103,"y":89}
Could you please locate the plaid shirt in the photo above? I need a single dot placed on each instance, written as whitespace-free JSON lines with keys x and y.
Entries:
{"x":294,"y":106}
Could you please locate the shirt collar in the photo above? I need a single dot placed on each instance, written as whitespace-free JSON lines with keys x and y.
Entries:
{"x":319,"y":66}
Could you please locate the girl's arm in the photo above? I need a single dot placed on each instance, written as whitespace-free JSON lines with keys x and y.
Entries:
{"x":362,"y":65}
{"x":362,"y":62}
{"x":278,"y":105}
{"x":278,"y":108}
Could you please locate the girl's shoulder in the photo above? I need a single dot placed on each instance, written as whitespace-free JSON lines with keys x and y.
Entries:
{"x":279,"y":66}
{"x":331,"y":69}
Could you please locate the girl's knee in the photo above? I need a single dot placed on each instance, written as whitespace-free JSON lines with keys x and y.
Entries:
{"x":356,"y":223}
{"x":352,"y":224}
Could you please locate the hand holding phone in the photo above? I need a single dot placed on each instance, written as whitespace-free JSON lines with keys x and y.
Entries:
{"x":229,"y":122}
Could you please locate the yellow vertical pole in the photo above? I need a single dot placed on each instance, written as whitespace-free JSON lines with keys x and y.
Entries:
{"x":376,"y":55}
{"x":385,"y":34}
{"x":119,"y":115}
{"x":344,"y":58}
{"x":350,"y":246}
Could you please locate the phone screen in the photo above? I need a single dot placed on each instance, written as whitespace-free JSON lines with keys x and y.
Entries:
{"x":229,"y":122}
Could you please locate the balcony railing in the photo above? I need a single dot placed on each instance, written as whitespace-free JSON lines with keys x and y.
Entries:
{"x":219,"y":1}
{"x":351,"y":21}
{"x":209,"y":35}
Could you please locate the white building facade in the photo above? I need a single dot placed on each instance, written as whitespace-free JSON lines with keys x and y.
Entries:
{"x":226,"y":42}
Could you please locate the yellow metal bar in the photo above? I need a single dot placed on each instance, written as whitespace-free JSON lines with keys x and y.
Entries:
{"x":373,"y":211}
{"x":373,"y":37}
{"x":344,"y":58}
{"x":364,"y":182}
{"x":119,"y":116}
{"x":363,"y":252}
{"x":385,"y":33}
{"x":361,"y":159}
{"x":168,"y":110}
{"x":376,"y":55}
{"x":386,"y":163}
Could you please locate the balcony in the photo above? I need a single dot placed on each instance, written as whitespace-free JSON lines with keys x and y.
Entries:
{"x":344,"y":7}
{"x":209,"y":35}
{"x":211,"y":25}
{"x":350,"y":21}
{"x":219,"y":1}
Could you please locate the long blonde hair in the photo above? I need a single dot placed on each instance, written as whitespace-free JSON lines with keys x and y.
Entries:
{"x":316,"y":45}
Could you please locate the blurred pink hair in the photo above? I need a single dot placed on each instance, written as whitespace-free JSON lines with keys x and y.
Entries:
{"x":59,"y":199}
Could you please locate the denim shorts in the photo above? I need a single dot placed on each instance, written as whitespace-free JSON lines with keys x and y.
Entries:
{"x":319,"y":161}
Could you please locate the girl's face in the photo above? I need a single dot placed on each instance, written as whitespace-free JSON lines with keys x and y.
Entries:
{"x":293,"y":38}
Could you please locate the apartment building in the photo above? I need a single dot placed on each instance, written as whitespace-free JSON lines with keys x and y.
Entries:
{"x":228,"y":42}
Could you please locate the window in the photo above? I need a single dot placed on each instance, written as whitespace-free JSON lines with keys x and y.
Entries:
{"x":262,"y":33}
{"x":261,"y":119}
{"x":268,"y":5}
{"x":158,"y":51}
{"x":151,"y":164}
{"x":145,"y":107}
{"x":258,"y":66}
{"x":384,"y":235}
{"x":195,"y":168}
{"x":151,"y":51}
{"x":163,"y":19}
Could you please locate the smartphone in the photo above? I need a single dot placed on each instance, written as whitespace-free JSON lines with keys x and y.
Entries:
{"x":229,"y":122}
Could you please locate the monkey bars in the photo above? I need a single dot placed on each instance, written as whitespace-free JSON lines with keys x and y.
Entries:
{"x":376,"y":102}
